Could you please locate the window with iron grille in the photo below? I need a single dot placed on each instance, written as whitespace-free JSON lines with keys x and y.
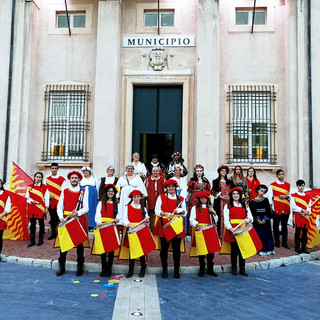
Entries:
{"x":251,"y":127}
{"x":66,"y":125}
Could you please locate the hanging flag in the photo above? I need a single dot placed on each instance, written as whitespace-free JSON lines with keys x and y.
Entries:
{"x":173,"y":228}
{"x":17,"y":227}
{"x":313,"y":232}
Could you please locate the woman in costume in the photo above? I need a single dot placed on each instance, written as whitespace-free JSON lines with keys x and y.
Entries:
{"x":90,"y":181}
{"x":220,"y":190}
{"x":5,"y":207}
{"x":202,"y":214}
{"x":240,"y":181}
{"x":135,"y":214}
{"x":107,"y":210}
{"x":261,"y":212}
{"x":139,"y":167}
{"x":233,"y":214}
{"x":196,"y":184}
{"x":37,"y":195}
{"x":252,"y":183}
{"x":168,"y":207}
{"x":110,"y":178}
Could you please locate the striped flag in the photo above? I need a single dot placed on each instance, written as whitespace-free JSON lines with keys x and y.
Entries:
{"x":207,"y":241}
{"x":106,"y":239}
{"x":313,"y":232}
{"x":71,"y":234}
{"x":17,"y":227}
{"x":141,"y":242}
{"x":173,"y":228}
{"x":249,"y":243}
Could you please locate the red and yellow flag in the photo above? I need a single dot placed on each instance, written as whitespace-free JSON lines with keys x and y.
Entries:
{"x":106,"y":239}
{"x":313,"y":232}
{"x":17,"y":227}
{"x":141,"y":242}
{"x":207,"y":241}
{"x":71,"y":234}
{"x":173,"y":228}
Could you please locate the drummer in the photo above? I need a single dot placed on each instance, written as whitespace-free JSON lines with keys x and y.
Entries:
{"x":107,"y":210}
{"x":168,"y":206}
{"x":203,"y":214}
{"x":133,"y":215}
{"x":234,"y":213}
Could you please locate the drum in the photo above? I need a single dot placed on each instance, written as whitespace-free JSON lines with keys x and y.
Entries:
{"x":106,"y":239}
{"x":207,"y":240}
{"x":71,"y":234}
{"x":173,"y":228}
{"x":141,"y":241}
{"x":248,"y":241}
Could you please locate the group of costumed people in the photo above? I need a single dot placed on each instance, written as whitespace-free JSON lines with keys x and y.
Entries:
{"x":147,"y":209}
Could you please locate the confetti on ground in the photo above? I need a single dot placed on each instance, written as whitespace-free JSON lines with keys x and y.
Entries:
{"x":98,"y":275}
{"x":114,"y":281}
{"x":96,"y":280}
{"x":108,"y":285}
{"x":76,"y":281}
{"x":116,"y":277}
{"x":111,"y":295}
{"x":94,"y":295}
{"x":262,"y":293}
{"x":102,"y":295}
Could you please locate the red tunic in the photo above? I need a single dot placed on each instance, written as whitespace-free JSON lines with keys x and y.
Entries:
{"x":167,"y":205}
{"x":252,"y":185}
{"x":37,"y":193}
{"x":301,"y":201}
{"x":236,"y":215}
{"x":203,"y":217}
{"x":107,"y":213}
{"x":135,"y":215}
{"x":54,"y":187}
{"x":3,"y":200}
{"x":194,"y":187}
{"x":70,"y":201}
{"x":154,"y":189}
{"x":281,"y":206}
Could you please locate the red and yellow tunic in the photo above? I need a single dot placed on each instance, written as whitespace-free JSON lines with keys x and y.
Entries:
{"x":3,"y":200}
{"x":70,"y":201}
{"x":281,"y":206}
{"x":167,"y":205}
{"x":54,"y":187}
{"x":135,"y":215}
{"x":252,"y":186}
{"x":203,"y":217}
{"x":37,"y":193}
{"x":236,"y":215}
{"x":302,"y":202}
{"x":107,"y":214}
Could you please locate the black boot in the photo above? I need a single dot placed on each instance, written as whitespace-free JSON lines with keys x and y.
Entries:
{"x":109,"y":264}
{"x":103,"y":272}
{"x":210,"y":266}
{"x":54,"y":233}
{"x":40,"y":242}
{"x":164,"y":274}
{"x":202,"y":266}
{"x":242,"y":266}
{"x":176,"y":273}
{"x":304,"y":248}
{"x":131,"y":268}
{"x":234,"y":264}
{"x":62,"y":265}
{"x":80,"y":267}
{"x":32,"y":241}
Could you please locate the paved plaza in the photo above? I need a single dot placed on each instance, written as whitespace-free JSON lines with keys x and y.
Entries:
{"x":290,"y":292}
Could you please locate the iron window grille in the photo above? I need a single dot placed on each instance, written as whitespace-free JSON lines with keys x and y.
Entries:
{"x":66,"y":126}
{"x":251,"y":126}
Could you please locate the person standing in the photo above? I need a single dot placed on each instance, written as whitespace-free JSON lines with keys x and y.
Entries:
{"x":73,"y":202}
{"x":154,"y":186}
{"x":301,"y":219}
{"x":220,"y":190}
{"x":5,"y":208}
{"x":176,"y":160}
{"x":55,"y":184}
{"x":240,"y":181}
{"x":135,"y":214}
{"x":110,"y":178}
{"x":155,"y":162}
{"x":279,"y":195}
{"x":139,"y":167}
{"x":252,"y":183}
{"x":37,"y":195}
{"x":233,"y":213}
{"x":107,"y":210}
{"x":169,"y":206}
{"x":261,"y":212}
{"x":90,"y":181}
{"x":203,"y":214}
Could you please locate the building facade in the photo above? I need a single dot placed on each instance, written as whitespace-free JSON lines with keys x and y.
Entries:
{"x":224,"y":82}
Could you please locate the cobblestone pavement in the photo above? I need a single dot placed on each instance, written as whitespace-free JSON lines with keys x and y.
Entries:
{"x":281,"y":293}
{"x":35,"y":293}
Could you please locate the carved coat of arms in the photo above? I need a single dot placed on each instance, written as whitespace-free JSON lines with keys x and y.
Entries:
{"x":158,"y":58}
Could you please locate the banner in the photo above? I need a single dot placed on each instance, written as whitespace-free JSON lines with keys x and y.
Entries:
{"x":313,"y":232}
